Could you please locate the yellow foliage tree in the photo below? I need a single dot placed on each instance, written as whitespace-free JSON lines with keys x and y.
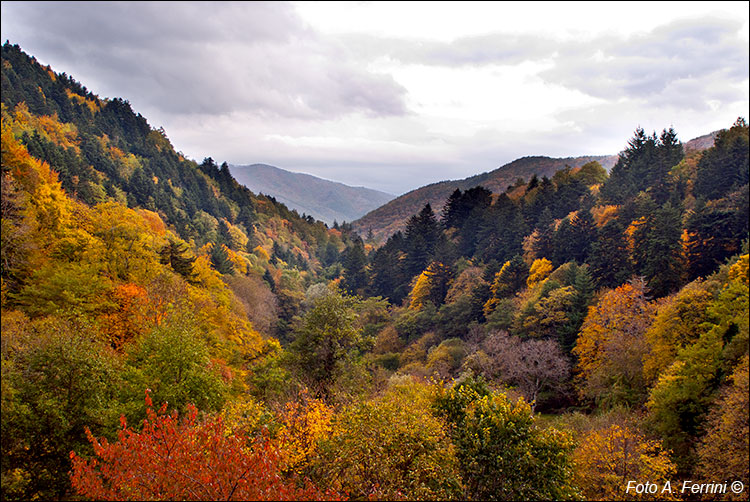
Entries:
{"x":48,"y":203}
{"x":260,"y":252}
{"x":540,"y":270}
{"x":724,"y":451}
{"x":739,"y":271}
{"x":431,"y":285}
{"x":391,"y":448}
{"x":611,"y":346}
{"x":677,"y":324}
{"x":603,"y":214}
{"x":606,"y":460}
{"x":305,"y":422}
{"x":420,"y":293}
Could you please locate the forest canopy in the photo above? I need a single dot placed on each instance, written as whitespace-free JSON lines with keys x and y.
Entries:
{"x":161,"y":322}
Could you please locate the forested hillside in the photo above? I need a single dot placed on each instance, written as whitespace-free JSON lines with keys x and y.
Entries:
{"x":392,"y":217}
{"x":167,"y":334}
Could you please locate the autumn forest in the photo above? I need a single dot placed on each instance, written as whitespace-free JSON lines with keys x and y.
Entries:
{"x":167,"y":334}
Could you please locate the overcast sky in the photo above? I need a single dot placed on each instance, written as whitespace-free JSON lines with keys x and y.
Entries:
{"x":394,"y":96}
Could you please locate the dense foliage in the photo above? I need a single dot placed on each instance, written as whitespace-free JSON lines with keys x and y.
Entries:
{"x":554,"y":340}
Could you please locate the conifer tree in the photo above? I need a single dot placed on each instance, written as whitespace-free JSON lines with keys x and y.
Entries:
{"x":451,"y":210}
{"x":220,"y":259}
{"x":725,"y":165}
{"x":354,"y":262}
{"x":564,"y":242}
{"x":177,"y":255}
{"x":658,"y":250}
{"x":269,"y":279}
{"x":584,"y":233}
{"x":422,"y":235}
{"x":225,"y":236}
{"x":544,"y":244}
{"x":609,"y":260}
{"x":500,"y":234}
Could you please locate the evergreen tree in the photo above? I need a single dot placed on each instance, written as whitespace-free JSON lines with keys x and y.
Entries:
{"x":670,"y":153}
{"x":583,"y":283}
{"x":609,"y":258}
{"x":715,"y":232}
{"x":724,"y":167}
{"x":563,"y":243}
{"x":177,"y":255}
{"x":269,"y":279}
{"x":539,"y":200}
{"x":247,"y":218}
{"x":459,"y":207}
{"x":644,"y":166}
{"x":629,"y":173}
{"x":354,"y":262}
{"x":220,"y":259}
{"x":657,"y":251}
{"x":511,"y":278}
{"x":225,"y":236}
{"x":422,"y":235}
{"x":475,"y":203}
{"x":329,"y":254}
{"x":501,"y":231}
{"x":584,"y":233}
{"x":451,"y":210}
{"x":544,"y":244}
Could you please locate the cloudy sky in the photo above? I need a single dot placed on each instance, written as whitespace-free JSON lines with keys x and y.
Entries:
{"x":396,"y":95}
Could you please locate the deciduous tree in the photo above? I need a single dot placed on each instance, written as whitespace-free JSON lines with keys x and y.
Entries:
{"x":611,"y":346}
{"x":185,"y":459}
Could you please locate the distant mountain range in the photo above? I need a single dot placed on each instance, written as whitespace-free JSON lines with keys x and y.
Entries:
{"x":322,"y":199}
{"x":390,"y":218}
{"x":385,"y":214}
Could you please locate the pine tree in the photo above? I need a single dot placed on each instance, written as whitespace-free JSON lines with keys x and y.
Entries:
{"x":225,"y":236}
{"x":269,"y":279}
{"x":220,"y":259}
{"x":544,"y":245}
{"x":609,"y":260}
{"x":501,"y":231}
{"x":354,"y":262}
{"x":584,"y":233}
{"x":564,"y":242}
{"x":422,"y":235}
{"x":451,"y":210}
{"x":388,"y":276}
{"x":658,"y":251}
{"x":714,"y":233}
{"x":177,"y":255}
{"x":724,"y":166}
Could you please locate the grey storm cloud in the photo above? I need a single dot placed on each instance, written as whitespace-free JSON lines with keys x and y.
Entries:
{"x":190,"y":57}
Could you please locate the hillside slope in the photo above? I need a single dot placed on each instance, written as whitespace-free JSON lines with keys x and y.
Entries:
{"x":103,"y":150}
{"x":325,"y":200}
{"x":390,"y":218}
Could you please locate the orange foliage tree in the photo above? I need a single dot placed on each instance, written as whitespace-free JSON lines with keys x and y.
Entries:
{"x":128,"y":320}
{"x":612,"y":344}
{"x":188,"y":459}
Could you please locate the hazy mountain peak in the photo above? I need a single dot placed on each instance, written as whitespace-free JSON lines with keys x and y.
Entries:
{"x":323,"y":199}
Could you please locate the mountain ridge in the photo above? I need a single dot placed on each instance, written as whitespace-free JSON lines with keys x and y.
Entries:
{"x":391,"y":217}
{"x":326,"y":200}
